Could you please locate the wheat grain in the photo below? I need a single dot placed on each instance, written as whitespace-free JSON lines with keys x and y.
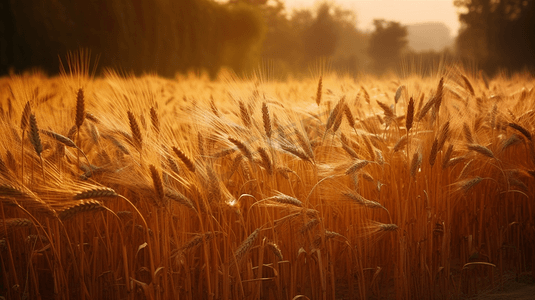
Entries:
{"x":522,"y":130}
{"x":285,"y":199}
{"x":242,"y":147}
{"x":468,"y":134}
{"x":244,"y":114}
{"x":444,"y":134}
{"x":34,"y":135}
{"x":137,"y":138}
{"x":214,"y":193}
{"x":266,"y":119}
{"x":389,"y":113}
{"x":60,"y":138}
{"x":246,"y":245}
{"x":318,"y":92}
{"x":349,"y":116}
{"x":334,"y":114}
{"x":410,"y":115}
{"x":388,"y":227}
{"x":81,"y":207}
{"x":309,"y":226}
{"x":303,"y":142}
{"x":157,"y":183}
{"x":200,"y":143}
{"x":179,"y":198}
{"x":194,"y":242}
{"x":468,"y":85}
{"x":155,"y":121}
{"x":402,"y":142}
{"x":91,"y":117}
{"x":80,"y":108}
{"x":415,"y":163}
{"x":350,"y":151}
{"x":356,"y":166}
{"x":185,"y":159}
{"x":266,"y":160}
{"x":514,"y":139}
{"x":275,"y":250}
{"x":447,"y":156}
{"x":94,"y":193}
{"x":434,"y":151}
{"x":25,"y":118}
{"x":399,"y":91}
{"x":296,"y":151}
{"x":481,"y":150}
{"x":469,"y":183}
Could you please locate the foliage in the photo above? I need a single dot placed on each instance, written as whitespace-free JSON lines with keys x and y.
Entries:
{"x":497,"y":33}
{"x":386,"y":44}
{"x":141,"y":36}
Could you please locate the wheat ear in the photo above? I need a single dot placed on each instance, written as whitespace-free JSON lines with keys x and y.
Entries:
{"x":266,"y":119}
{"x":83,"y":206}
{"x":185,"y":159}
{"x":136,"y":132}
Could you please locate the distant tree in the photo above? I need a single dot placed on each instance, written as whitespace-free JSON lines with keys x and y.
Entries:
{"x":136,"y":35}
{"x":298,"y":40}
{"x":321,"y":37}
{"x":497,"y":33}
{"x":386,"y":44}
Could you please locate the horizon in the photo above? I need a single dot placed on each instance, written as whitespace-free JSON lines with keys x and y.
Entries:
{"x":407,"y":12}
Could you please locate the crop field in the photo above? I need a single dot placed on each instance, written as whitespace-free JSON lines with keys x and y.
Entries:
{"x":123,"y":187}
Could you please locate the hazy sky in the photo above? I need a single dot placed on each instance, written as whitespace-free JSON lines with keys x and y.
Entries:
{"x":403,"y":11}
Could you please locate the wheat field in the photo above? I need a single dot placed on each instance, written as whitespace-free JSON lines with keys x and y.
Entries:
{"x":123,"y":187}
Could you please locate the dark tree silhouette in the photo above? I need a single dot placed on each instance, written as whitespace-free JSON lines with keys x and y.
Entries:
{"x":386,"y":44}
{"x":497,"y":33}
{"x":137,"y":35}
{"x":321,"y":37}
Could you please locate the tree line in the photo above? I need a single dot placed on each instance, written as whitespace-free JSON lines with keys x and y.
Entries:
{"x":169,"y":37}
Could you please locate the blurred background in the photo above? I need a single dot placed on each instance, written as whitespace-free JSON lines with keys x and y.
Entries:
{"x":276,"y":37}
